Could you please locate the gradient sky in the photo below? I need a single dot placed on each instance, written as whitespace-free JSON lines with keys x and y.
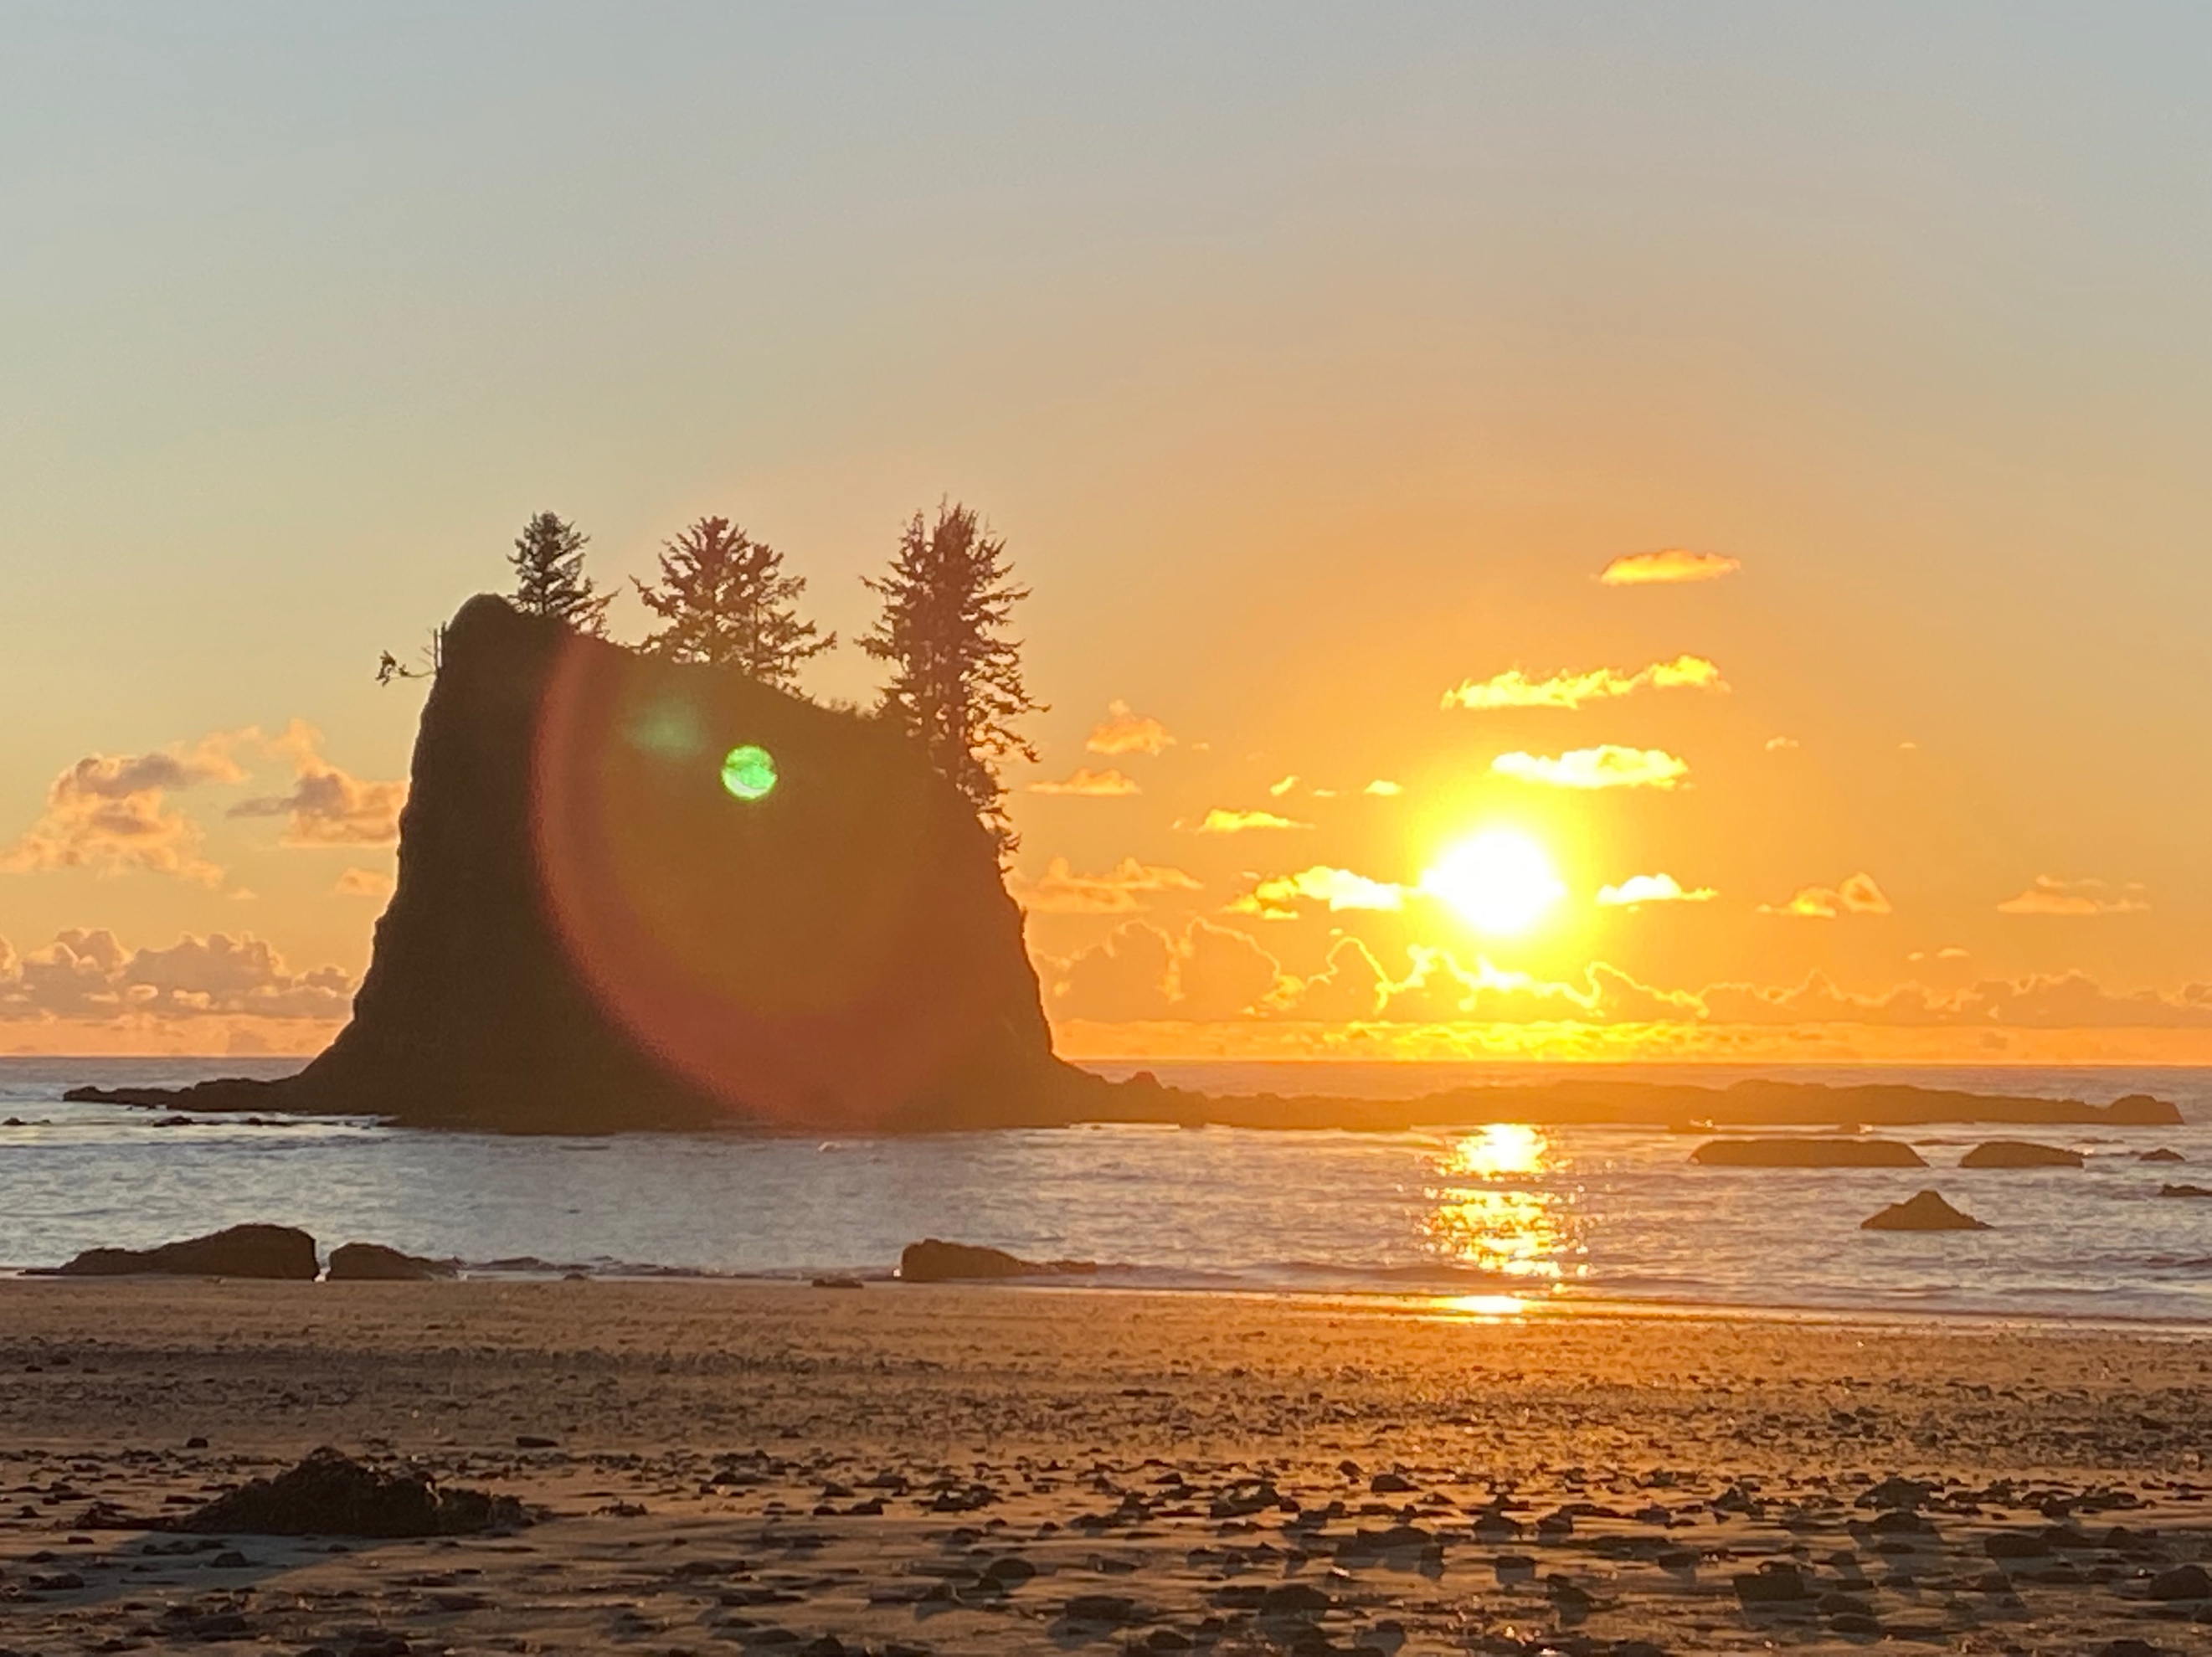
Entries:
{"x":1313,"y":361}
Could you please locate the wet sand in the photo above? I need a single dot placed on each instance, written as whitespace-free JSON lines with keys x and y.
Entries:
{"x":761,"y":1469}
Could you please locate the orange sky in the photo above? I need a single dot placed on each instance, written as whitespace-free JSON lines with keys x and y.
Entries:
{"x":1316,"y":365}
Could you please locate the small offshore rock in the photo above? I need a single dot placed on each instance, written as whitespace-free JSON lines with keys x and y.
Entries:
{"x":932,"y":1260}
{"x":1807,"y":1152}
{"x":2020,"y":1153}
{"x":238,"y":1251}
{"x":1925,"y":1212}
{"x":374,"y":1263}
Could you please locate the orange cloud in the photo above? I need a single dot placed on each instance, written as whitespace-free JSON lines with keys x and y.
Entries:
{"x":1607,"y":767}
{"x":86,"y":975}
{"x":1514,"y":689}
{"x":2048,"y":896}
{"x":109,"y":812}
{"x":1089,"y":784}
{"x":1208,"y":974}
{"x":1858,"y":895}
{"x":1382,"y":788}
{"x":1667,"y":565}
{"x":1277,"y":899}
{"x":1219,"y":821}
{"x":1650,"y":888}
{"x":327,"y":806}
{"x":1061,"y":890}
{"x":1122,"y":732}
{"x":363,"y":883}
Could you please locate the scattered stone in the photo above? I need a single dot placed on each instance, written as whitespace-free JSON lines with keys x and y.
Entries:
{"x":374,"y":1263}
{"x":239,"y":1251}
{"x":839,"y":1282}
{"x":534,"y":1442}
{"x":2018,"y":1153}
{"x":2017,"y":1544}
{"x":2182,"y":1582}
{"x":1114,"y":1609}
{"x":1771,"y":1585}
{"x":332,"y":1495}
{"x":934,"y":1261}
{"x":1925,"y":1212}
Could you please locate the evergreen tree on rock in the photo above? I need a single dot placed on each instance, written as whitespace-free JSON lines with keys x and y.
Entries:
{"x":549,"y":575}
{"x":957,"y":679}
{"x":723,"y":597}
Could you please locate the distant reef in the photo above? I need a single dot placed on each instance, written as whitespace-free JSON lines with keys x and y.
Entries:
{"x":637,"y":894}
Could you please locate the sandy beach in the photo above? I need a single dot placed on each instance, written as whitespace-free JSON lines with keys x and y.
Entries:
{"x":947,"y":1469}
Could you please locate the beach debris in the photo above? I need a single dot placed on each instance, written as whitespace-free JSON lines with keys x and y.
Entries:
{"x":330,"y":1493}
{"x":932,"y":1260}
{"x":238,"y":1251}
{"x":2020,"y":1153}
{"x":1925,"y":1210}
{"x":1806,"y":1152}
{"x":374,"y":1263}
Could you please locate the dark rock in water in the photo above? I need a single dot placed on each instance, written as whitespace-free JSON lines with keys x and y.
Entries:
{"x":241,"y":1251}
{"x":2183,"y":1191}
{"x":2018,"y":1153}
{"x":2141,"y":1110}
{"x":1806,"y":1153}
{"x":1926,"y":1211}
{"x":933,"y":1261}
{"x":332,"y":1495}
{"x":2161,"y":1155}
{"x":374,"y":1263}
{"x":593,"y":930}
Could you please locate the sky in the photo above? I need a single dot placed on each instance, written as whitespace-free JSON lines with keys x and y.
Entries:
{"x":1316,"y":363}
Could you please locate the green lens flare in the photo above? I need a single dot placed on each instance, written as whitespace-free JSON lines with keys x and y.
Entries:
{"x":749,"y":773}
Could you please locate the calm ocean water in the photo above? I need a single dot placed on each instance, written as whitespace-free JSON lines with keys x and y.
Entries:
{"x":1491,"y":1214}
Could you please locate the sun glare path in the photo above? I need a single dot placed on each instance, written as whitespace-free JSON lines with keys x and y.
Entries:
{"x":1484,"y":1217}
{"x":1500,"y":882}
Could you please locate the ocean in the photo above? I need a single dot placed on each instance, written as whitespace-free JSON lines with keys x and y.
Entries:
{"x":1487,"y":1218}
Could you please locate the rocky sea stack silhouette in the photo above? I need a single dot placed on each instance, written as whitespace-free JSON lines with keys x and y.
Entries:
{"x":635,"y":893}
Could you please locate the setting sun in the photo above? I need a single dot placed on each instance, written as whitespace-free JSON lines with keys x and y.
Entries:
{"x":1500,"y":882}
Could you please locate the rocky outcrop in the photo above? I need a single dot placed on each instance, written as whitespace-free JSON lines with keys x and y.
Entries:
{"x":242,"y":1251}
{"x":591,"y":931}
{"x":2184,"y":1191}
{"x":934,"y":1261}
{"x":2018,"y":1153}
{"x":332,"y":1495}
{"x":1806,"y":1153}
{"x":374,"y":1263}
{"x":1926,"y":1211}
{"x":2163,"y":1154}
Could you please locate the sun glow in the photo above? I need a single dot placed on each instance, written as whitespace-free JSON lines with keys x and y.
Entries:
{"x":1500,"y":882}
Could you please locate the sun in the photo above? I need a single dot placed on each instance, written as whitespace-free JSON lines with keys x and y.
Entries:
{"x":1499,"y":881}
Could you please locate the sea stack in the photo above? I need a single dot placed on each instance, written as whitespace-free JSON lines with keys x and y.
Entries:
{"x":635,"y":892}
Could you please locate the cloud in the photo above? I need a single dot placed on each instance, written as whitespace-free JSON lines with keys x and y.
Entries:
{"x":1122,"y":732}
{"x":364,"y":883}
{"x":326,"y":805}
{"x":1219,"y":821}
{"x":1382,"y":788}
{"x":2048,"y":896}
{"x":1607,"y":767}
{"x":1781,"y":745}
{"x":1650,"y":888}
{"x":1514,"y":689}
{"x":2063,"y":1001}
{"x":1061,"y":890}
{"x":1283,"y":785}
{"x":1858,"y":895}
{"x":1089,"y":785}
{"x":87,"y":975}
{"x":110,"y":812}
{"x":1141,"y":973}
{"x":1277,"y":899}
{"x":1667,"y":565}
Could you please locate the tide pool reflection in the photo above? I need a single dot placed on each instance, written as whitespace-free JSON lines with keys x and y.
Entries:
{"x":1496,"y":1206}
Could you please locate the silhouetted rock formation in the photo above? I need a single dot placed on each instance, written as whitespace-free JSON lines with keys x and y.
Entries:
{"x":2183,"y":1191}
{"x":242,"y":1251}
{"x":332,"y":1495}
{"x":1806,"y":1153}
{"x":933,"y":1261}
{"x":2017,"y":1153}
{"x":591,"y":932}
{"x":2163,"y":1154}
{"x":1927,"y":1211}
{"x":374,"y":1263}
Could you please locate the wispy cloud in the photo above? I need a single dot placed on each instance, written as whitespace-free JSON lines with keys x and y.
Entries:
{"x":1125,"y":732}
{"x":2046,"y":896}
{"x":1221,"y":821}
{"x":363,"y":883}
{"x":1607,"y":767}
{"x":1120,"y":890}
{"x":1858,"y":895}
{"x":1282,"y":785}
{"x":1278,"y":898}
{"x":1514,"y":689}
{"x":1089,"y":785}
{"x":1384,"y":788}
{"x":1781,"y":745}
{"x":110,"y":812}
{"x":1668,"y":564}
{"x":1651,"y":888}
{"x":326,"y":805}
